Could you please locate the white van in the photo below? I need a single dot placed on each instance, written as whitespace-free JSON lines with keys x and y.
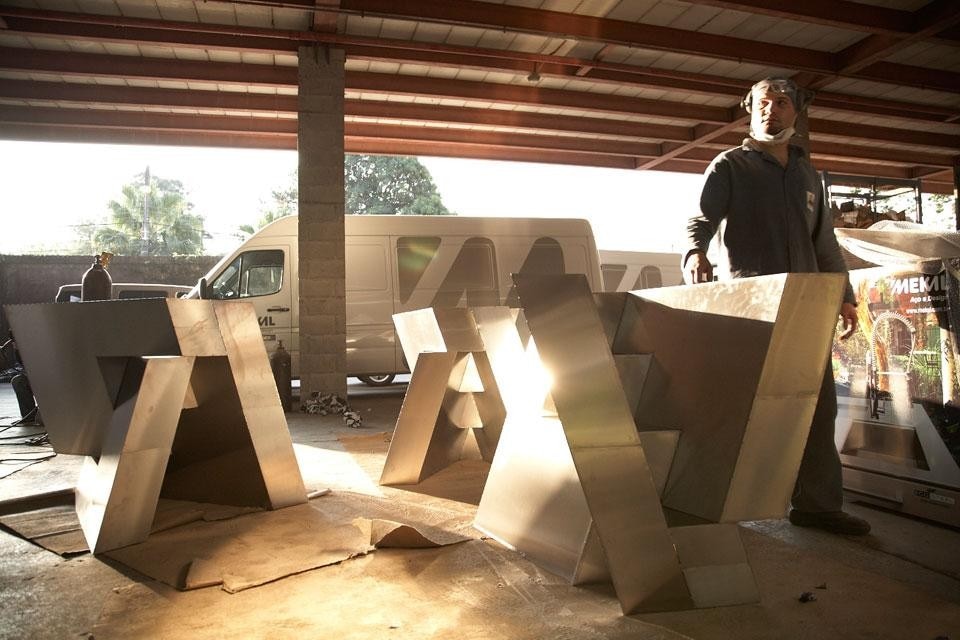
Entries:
{"x":396,"y":264}
{"x":632,"y":270}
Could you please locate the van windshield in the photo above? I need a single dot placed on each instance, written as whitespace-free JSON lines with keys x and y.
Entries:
{"x":252,"y":273}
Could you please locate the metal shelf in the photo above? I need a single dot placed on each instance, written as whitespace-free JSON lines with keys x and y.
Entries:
{"x":869,"y":190}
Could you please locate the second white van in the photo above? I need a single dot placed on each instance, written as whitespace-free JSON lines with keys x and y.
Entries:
{"x":632,"y":270}
{"x":396,"y":264}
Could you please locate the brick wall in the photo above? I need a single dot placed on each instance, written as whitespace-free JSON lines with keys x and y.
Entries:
{"x":26,"y":279}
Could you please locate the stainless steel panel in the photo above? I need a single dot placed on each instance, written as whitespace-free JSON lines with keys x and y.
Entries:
{"x":435,"y":330}
{"x":418,"y":424}
{"x":533,"y":501}
{"x":733,"y":357}
{"x":260,"y":404}
{"x":721,"y":381}
{"x":91,"y":342}
{"x":455,"y":390}
{"x":603,"y":441}
{"x":660,"y":448}
{"x":117,"y":497}
{"x":766,"y":469}
{"x":632,"y":370}
{"x":715,"y":565}
{"x":198,"y":330}
{"x":165,"y":396}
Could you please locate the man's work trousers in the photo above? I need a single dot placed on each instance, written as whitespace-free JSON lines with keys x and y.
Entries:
{"x":820,"y":483}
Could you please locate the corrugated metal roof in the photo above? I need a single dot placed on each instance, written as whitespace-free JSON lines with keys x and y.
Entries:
{"x":579,"y":77}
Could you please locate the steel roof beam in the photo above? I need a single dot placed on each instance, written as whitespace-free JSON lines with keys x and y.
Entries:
{"x":521,"y":19}
{"x":277,"y":42}
{"x":631,"y":34}
{"x":354,"y":144}
{"x":107,"y":66}
{"x":288,"y":126}
{"x":394,"y":111}
{"x":237,"y":101}
{"x":85,"y":64}
{"x":841,"y":14}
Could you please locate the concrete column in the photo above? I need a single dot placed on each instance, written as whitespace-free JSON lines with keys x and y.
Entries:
{"x":323,"y":309}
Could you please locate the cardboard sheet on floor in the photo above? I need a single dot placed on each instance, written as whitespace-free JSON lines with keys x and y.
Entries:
{"x":57,"y":529}
{"x":247,"y":551}
{"x":481,"y":590}
{"x":54,"y":528}
{"x":389,"y":534}
{"x":475,"y":590}
{"x":258,"y":548}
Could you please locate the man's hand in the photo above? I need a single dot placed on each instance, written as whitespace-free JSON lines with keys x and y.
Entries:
{"x":698,"y":268}
{"x":848,"y":313}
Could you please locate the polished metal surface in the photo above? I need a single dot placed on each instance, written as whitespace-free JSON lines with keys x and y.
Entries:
{"x":610,"y":473}
{"x":166,"y":397}
{"x":453,"y":407}
{"x":117,"y":493}
{"x":740,"y":366}
{"x":692,"y":402}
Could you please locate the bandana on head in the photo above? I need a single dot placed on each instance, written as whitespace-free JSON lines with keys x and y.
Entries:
{"x":800,"y":98}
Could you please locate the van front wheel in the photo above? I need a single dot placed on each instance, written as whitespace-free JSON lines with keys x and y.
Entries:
{"x":377,"y":380}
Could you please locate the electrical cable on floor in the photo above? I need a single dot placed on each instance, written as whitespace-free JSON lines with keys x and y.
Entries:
{"x":44,"y":456}
{"x":21,"y":436}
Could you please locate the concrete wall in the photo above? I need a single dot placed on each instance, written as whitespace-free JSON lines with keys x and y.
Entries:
{"x":26,"y":279}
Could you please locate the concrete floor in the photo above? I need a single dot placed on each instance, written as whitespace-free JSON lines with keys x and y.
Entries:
{"x":902,"y":581}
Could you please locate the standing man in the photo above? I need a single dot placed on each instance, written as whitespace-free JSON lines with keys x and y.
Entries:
{"x":764,"y":201}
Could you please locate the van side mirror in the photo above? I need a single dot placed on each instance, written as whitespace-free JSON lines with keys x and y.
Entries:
{"x":203,"y":291}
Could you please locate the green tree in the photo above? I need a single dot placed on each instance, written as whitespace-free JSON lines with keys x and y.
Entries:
{"x":390,"y":185}
{"x":173,"y":230}
{"x":372,"y":185}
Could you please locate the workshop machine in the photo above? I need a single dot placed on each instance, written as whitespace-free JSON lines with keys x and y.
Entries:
{"x":898,"y":388}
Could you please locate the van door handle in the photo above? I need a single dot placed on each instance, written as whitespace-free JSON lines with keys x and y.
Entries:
{"x":278,"y":308}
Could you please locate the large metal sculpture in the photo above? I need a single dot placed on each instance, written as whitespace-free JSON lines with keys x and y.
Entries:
{"x":166,"y":397}
{"x":672,"y":414}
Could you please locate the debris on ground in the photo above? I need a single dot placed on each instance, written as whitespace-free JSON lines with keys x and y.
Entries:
{"x":807,"y":596}
{"x":332,"y":404}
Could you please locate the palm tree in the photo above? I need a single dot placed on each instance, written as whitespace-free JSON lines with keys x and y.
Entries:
{"x":173,"y":230}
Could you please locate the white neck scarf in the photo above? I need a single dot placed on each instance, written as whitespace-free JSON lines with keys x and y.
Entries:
{"x":776,"y":139}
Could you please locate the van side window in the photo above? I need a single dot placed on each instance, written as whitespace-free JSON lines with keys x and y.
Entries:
{"x":413,"y":257}
{"x":472,"y":276}
{"x":650,"y":278}
{"x":545,"y":258}
{"x":612,"y":275}
{"x":252,"y":273}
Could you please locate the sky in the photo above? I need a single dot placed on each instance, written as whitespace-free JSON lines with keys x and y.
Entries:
{"x":46,"y":189}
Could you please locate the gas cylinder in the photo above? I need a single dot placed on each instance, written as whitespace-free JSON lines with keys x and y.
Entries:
{"x":97,"y":283}
{"x":280,"y":365}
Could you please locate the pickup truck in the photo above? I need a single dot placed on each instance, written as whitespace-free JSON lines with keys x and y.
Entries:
{"x":127,"y":291}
